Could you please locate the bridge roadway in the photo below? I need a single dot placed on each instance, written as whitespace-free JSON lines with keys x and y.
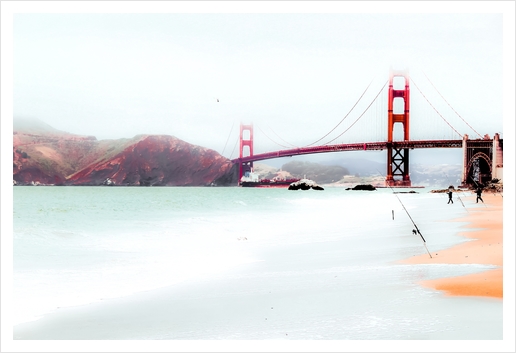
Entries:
{"x":365,"y":146}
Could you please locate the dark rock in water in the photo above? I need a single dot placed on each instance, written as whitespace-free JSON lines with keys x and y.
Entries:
{"x":296,"y":186}
{"x":304,"y":187}
{"x":304,"y":184}
{"x":367,"y":187}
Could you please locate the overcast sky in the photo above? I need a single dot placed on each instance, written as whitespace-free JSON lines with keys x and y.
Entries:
{"x":293,"y":75}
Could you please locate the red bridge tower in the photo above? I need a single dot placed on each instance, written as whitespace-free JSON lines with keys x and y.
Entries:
{"x":246,"y":140}
{"x":398,"y":158}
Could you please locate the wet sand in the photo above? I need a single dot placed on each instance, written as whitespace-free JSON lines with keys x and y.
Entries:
{"x":485,"y":229}
{"x":327,"y":290}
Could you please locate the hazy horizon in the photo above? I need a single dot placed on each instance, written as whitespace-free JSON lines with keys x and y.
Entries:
{"x":295,"y":72}
{"x":420,"y":156}
{"x":295,"y":76}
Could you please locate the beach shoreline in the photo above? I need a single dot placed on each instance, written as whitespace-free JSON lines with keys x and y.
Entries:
{"x":335,"y":283}
{"x":485,"y":229}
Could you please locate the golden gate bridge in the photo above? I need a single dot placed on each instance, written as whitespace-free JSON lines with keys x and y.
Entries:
{"x":390,"y":127}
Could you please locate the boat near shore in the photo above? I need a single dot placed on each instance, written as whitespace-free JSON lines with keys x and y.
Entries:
{"x":253,"y":180}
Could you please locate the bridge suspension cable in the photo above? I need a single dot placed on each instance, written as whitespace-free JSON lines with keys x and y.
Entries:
{"x":313,"y":143}
{"x":279,"y":144}
{"x":442,"y":117}
{"x":280,"y":137}
{"x":450,"y":105}
{"x":232,"y":126}
{"x":361,"y":115}
{"x":234,"y":148}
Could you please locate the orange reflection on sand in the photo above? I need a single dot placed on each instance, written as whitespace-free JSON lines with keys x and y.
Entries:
{"x":486,"y":248}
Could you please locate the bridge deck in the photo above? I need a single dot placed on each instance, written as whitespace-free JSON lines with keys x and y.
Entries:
{"x":366,"y":146}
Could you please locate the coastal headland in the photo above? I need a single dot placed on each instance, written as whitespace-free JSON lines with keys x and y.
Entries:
{"x":485,"y":229}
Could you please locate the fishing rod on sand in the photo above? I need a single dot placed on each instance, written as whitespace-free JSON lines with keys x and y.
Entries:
{"x":408,"y":214}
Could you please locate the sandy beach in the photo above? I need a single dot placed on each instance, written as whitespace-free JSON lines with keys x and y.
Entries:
{"x":485,"y":229}
{"x":335,"y":279}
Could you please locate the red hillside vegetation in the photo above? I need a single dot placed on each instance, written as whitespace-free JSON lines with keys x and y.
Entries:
{"x":53,"y":157}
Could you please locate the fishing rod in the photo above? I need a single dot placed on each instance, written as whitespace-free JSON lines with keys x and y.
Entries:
{"x":408,"y":214}
{"x":494,"y":190}
{"x":478,"y":187}
{"x":448,"y":178}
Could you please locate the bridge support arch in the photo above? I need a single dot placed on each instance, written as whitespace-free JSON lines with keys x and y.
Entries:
{"x":246,"y":149}
{"x":482,"y":160}
{"x":398,"y":158}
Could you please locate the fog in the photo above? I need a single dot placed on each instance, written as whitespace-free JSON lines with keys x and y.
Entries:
{"x":295,"y":76}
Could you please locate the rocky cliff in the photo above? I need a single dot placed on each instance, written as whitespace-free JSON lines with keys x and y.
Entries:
{"x":51,"y":157}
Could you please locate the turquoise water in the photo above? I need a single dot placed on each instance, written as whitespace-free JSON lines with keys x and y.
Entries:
{"x":85,"y":245}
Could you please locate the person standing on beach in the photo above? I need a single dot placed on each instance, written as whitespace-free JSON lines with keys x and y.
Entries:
{"x":450,"y":193}
{"x":479,"y":194}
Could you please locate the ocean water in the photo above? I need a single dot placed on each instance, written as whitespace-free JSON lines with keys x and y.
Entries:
{"x":290,"y":264}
